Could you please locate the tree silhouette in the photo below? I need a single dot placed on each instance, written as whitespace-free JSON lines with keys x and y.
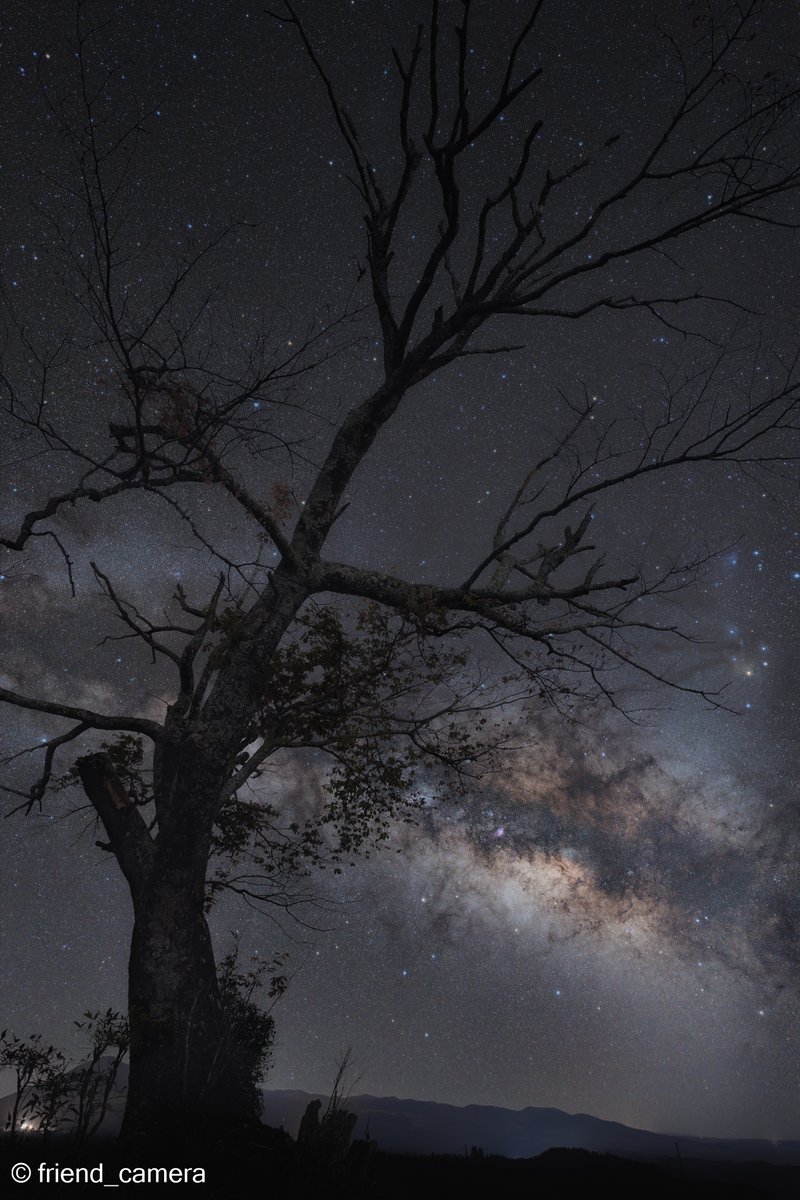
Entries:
{"x":382,"y":677}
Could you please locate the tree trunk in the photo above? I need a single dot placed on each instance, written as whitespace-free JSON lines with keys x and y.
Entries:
{"x":178,"y":1088}
{"x":176,"y":1022}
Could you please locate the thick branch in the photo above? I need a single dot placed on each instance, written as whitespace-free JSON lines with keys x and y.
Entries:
{"x":85,"y":716}
{"x":127,"y":832}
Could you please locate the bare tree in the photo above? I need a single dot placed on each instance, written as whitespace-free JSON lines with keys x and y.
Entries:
{"x":292,"y":651}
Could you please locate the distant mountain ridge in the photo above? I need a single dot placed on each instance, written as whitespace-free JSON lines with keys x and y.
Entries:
{"x":428,"y":1127}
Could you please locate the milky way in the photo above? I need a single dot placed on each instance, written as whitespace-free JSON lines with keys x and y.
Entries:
{"x":609,"y":921}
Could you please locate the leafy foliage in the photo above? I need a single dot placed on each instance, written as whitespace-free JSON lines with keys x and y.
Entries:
{"x":379,"y":713}
{"x":375,"y":702}
{"x":126,"y":755}
{"x":50,"y":1094}
{"x":39,"y":1068}
{"x":249,"y":1030}
{"x":95,"y":1080}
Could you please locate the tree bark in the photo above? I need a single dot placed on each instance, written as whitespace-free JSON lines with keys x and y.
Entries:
{"x":176,"y":1087}
{"x":174,"y":1010}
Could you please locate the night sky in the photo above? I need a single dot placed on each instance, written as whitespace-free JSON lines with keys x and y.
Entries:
{"x":609,"y":923}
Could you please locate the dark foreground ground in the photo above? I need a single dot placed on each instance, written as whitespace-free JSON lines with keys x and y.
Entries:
{"x":272,"y":1166}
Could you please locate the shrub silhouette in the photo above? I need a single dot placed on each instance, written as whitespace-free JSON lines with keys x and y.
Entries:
{"x":50,"y":1095}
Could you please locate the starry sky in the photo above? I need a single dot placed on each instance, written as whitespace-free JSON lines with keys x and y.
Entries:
{"x":607,"y":924}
